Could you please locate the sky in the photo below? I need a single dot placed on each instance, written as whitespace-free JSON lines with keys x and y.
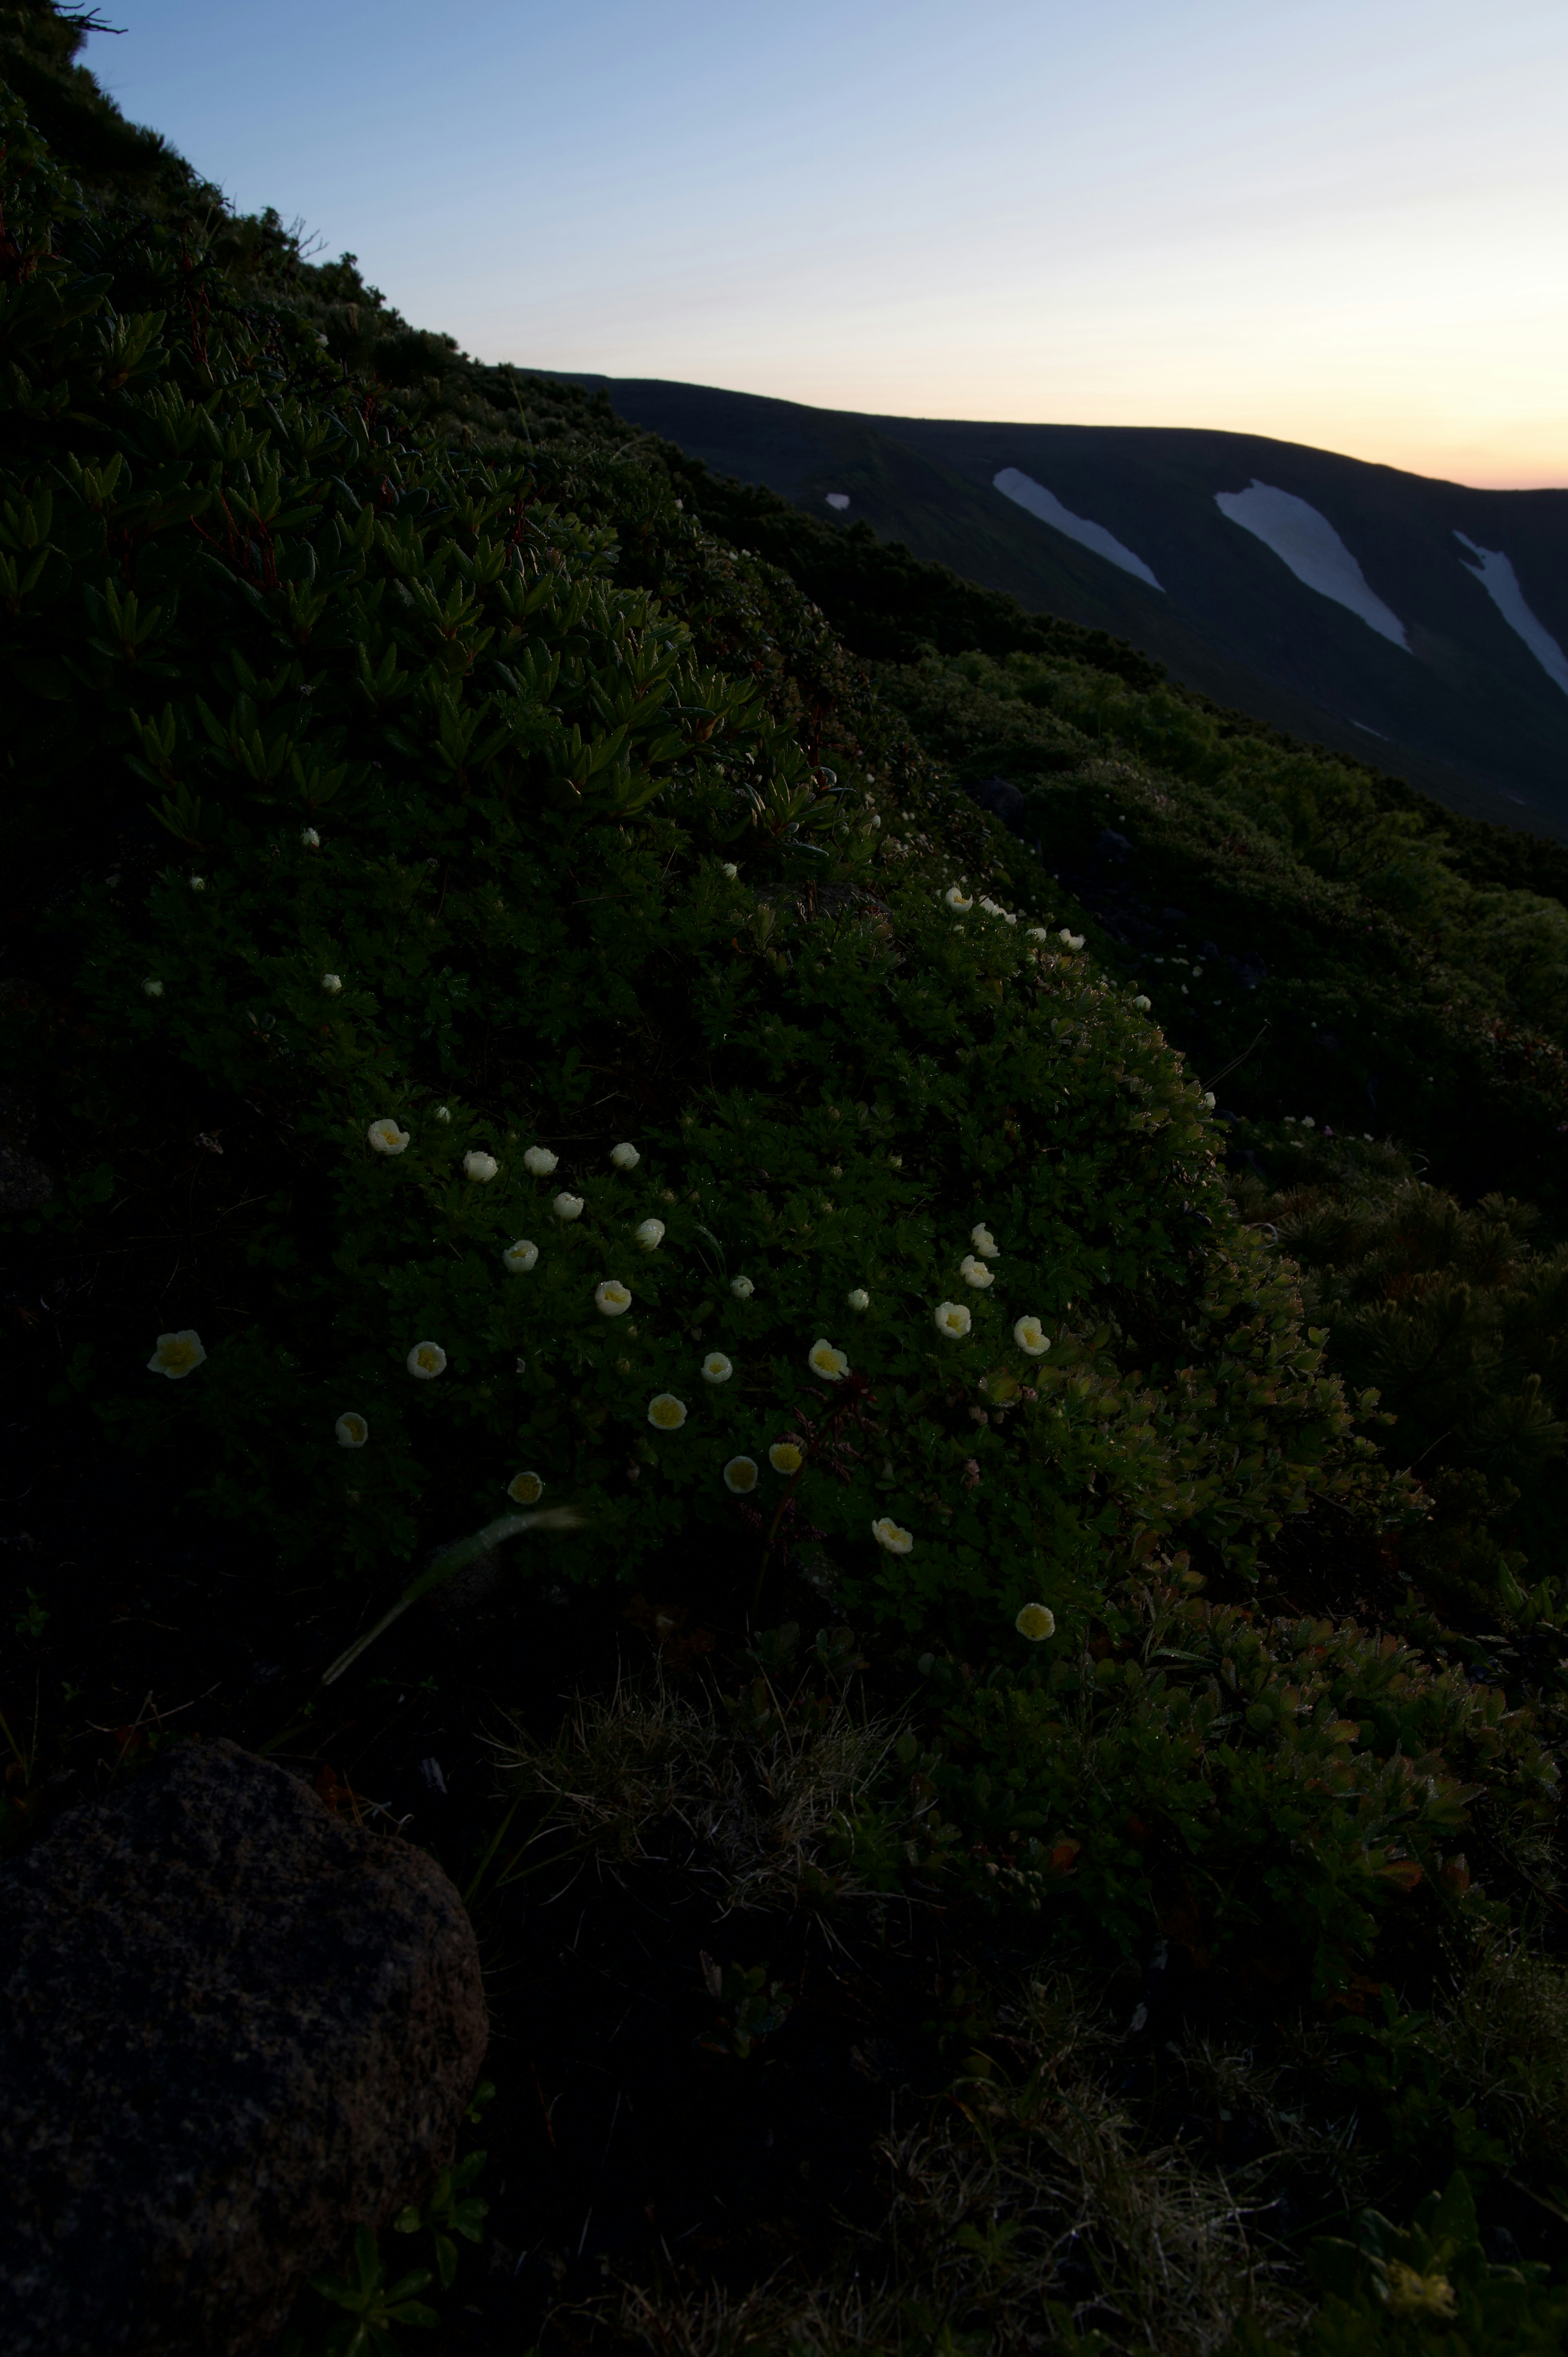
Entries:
{"x":1335,"y":221}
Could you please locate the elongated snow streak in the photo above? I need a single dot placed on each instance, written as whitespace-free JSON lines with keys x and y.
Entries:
{"x":1014,"y":485}
{"x":1497,"y":578}
{"x":1314,"y":551}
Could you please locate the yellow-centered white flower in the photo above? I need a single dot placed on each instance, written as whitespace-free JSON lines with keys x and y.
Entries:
{"x":952,"y":1319}
{"x":974,"y":1272}
{"x":985,"y":1243}
{"x":177,"y":1355}
{"x":956,"y":901}
{"x":352,"y":1431}
{"x":520,"y":1256}
{"x":824,"y":1361}
{"x":385,"y":1138}
{"x":891,"y":1535}
{"x":1036,"y":1621}
{"x":1031,"y":1338}
{"x":426,"y":1359}
{"x":612,"y":1298}
{"x":666,"y":1413}
{"x":716,"y":1368}
{"x":525,"y":1489}
{"x":741,"y":1476}
{"x":786,"y":1456}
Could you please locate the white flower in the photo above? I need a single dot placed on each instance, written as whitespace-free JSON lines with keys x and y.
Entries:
{"x":384,"y":1136}
{"x":741,"y":1474}
{"x":1037,"y":933}
{"x":1142,"y":1003}
{"x":974,"y":1272}
{"x":985,"y":1243}
{"x":520,"y":1256}
{"x":352,"y":1431}
{"x":152,"y":988}
{"x":1307,"y":1122}
{"x":482,"y":1167}
{"x":525,"y":1489}
{"x":331,"y":984}
{"x":786,"y":1456}
{"x":625,"y":1157}
{"x":567,"y":1207}
{"x":956,"y":901}
{"x":426,"y":1359}
{"x":666,"y":1413}
{"x":991,"y":908}
{"x":612,"y":1298}
{"x":887,"y":1533}
{"x":859,"y":1298}
{"x":649,"y":1235}
{"x":443,"y":1112}
{"x":1073,"y":941}
{"x":952,"y":1318}
{"x":824,"y":1361}
{"x":1031,"y":1338}
{"x":310,"y":839}
{"x":1036,"y":1621}
{"x":742,"y":1288}
{"x":1208,"y":1099}
{"x":539,"y":1161}
{"x":198,"y":883}
{"x":177,"y":1355}
{"x":716,"y":1368}
{"x":729,"y":871}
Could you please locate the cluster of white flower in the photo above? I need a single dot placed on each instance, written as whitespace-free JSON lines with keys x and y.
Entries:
{"x":994,"y":909}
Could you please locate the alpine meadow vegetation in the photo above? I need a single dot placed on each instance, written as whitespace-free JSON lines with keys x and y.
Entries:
{"x":523,"y":1020}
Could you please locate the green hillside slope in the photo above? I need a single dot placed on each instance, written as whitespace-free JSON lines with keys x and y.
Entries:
{"x":602,"y":1079}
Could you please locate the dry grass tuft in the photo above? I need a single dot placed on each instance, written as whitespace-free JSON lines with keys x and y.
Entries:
{"x":771,"y":1804}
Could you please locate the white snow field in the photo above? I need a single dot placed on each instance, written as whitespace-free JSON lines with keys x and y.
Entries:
{"x":839,"y":500}
{"x":1497,"y":578}
{"x":1314,"y":551}
{"x":1014,"y":485}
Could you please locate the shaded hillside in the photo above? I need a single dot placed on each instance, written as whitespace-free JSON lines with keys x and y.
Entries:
{"x":1466,"y":711}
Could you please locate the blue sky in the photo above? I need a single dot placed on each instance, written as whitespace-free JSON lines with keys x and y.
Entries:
{"x":1337,"y":223}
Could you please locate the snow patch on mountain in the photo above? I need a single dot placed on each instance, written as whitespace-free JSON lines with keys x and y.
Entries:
{"x":839,"y":500}
{"x":1023,"y":490}
{"x":1306,"y":542}
{"x":1497,"y":578}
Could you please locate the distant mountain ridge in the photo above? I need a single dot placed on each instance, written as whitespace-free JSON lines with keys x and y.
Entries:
{"x":1416,"y":624}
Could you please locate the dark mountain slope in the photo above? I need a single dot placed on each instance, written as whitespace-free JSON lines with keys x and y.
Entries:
{"x":1466,"y":710}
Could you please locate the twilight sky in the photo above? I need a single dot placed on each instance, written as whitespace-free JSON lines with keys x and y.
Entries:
{"x":1337,"y":222}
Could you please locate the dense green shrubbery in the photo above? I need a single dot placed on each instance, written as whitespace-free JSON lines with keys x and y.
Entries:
{"x":1350,"y":965}
{"x":451,"y":828}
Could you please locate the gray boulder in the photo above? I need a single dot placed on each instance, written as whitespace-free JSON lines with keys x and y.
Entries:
{"x":231,"y":2028}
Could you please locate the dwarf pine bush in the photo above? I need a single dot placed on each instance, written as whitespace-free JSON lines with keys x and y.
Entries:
{"x":467,"y":873}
